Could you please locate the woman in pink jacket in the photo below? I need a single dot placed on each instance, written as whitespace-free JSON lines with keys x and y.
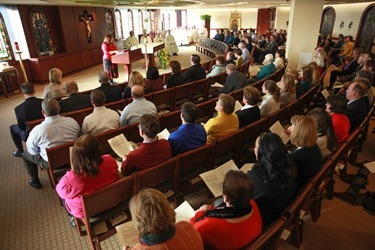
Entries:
{"x":90,"y":171}
{"x":109,"y":49}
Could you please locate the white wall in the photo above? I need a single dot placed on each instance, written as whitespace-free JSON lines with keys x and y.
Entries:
{"x":344,"y":12}
{"x":282,"y":16}
{"x":220,"y":17}
{"x":348,"y":13}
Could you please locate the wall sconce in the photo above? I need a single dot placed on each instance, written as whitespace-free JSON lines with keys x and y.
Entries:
{"x":350,"y":25}
{"x":287,"y":23}
{"x":342,"y":25}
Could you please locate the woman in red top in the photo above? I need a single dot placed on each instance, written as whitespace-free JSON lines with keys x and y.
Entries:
{"x":236,"y":222}
{"x":109,"y":49}
{"x":90,"y":171}
{"x":336,"y":107}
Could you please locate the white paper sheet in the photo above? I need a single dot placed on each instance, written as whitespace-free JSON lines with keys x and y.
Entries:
{"x":120,"y":145}
{"x":214,"y":178}
{"x":237,"y":106}
{"x":127,"y":234}
{"x":217,"y":85}
{"x":247,"y":167}
{"x":184,"y":212}
{"x":325,"y":93}
{"x":370,"y":166}
{"x":164,"y":134}
{"x":279,"y":130}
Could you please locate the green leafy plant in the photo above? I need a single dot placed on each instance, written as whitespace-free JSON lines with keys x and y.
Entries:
{"x":205,"y":17}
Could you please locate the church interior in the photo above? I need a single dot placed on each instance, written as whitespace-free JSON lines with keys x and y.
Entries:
{"x":38,"y":35}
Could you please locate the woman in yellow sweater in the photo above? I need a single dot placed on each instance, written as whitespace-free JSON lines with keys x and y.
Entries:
{"x":225,"y":122}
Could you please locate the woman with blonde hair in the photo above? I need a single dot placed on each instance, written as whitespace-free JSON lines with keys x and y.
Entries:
{"x":55,"y":89}
{"x":315,"y":72}
{"x":287,"y":90}
{"x":271,"y":99}
{"x":135,"y":78}
{"x":155,"y":221}
{"x":307,"y":156}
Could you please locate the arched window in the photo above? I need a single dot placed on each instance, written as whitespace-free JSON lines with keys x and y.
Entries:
{"x":110,"y":23}
{"x":140,"y":21}
{"x":5,"y":48}
{"x":366,"y":32}
{"x":41,"y":31}
{"x":162,"y":22}
{"x":151,"y":25}
{"x":168,"y":22}
{"x":118,"y":19}
{"x":130,"y":21}
{"x":328,"y":21}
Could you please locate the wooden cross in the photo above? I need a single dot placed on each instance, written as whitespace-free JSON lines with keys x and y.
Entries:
{"x":87,"y":19}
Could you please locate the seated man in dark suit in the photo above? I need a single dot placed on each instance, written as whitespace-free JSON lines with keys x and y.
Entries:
{"x":189,"y":135}
{"x":348,"y":69}
{"x":196,"y":71}
{"x":235,"y":79}
{"x":29,"y":110}
{"x":75,"y":101}
{"x":357,"y":107}
{"x":250,"y":112}
{"x":112,"y":93}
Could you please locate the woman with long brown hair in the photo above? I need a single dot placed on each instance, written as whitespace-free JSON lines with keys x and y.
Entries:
{"x":90,"y":171}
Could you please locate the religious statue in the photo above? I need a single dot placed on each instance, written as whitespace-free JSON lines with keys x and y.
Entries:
{"x":88,"y":27}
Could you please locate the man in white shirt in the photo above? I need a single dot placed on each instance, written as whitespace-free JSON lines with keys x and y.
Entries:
{"x":101,"y":119}
{"x":131,"y":41}
{"x":133,"y":111}
{"x":245,"y":51}
{"x":53,"y":131}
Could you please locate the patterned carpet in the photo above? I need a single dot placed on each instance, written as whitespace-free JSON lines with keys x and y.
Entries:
{"x":34,"y":219}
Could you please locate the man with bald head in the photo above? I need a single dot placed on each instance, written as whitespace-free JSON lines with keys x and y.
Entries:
{"x":112,"y":93}
{"x":357,"y":107}
{"x":133,"y":111}
{"x":75,"y":101}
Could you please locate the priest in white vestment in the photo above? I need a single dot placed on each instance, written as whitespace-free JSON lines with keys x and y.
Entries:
{"x":158,"y":38}
{"x":131,"y":41}
{"x":145,"y":38}
{"x":170,"y":44}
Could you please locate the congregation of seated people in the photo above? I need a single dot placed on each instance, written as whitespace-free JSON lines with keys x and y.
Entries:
{"x":252,"y":200}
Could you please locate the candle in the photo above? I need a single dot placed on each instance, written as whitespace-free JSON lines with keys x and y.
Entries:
{"x":17,"y":46}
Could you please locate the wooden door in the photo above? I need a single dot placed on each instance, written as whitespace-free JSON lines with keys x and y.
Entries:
{"x":264,"y":20}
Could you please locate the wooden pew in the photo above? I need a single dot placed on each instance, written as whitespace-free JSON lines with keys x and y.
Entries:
{"x":104,"y":204}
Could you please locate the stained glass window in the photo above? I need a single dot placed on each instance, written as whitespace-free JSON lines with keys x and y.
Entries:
{"x":5,"y":53}
{"x":110,"y":23}
{"x":41,"y":31}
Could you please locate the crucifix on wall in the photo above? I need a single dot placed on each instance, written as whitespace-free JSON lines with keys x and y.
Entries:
{"x":87,"y":19}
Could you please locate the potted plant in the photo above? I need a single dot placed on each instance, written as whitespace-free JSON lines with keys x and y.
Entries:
{"x":207,"y":22}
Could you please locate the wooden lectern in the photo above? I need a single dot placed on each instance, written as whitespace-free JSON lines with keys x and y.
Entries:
{"x":126,"y":58}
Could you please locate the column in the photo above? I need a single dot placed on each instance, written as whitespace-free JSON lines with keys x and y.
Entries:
{"x":303,"y":31}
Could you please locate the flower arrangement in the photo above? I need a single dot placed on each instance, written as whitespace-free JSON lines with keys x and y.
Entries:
{"x":164,"y":58}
